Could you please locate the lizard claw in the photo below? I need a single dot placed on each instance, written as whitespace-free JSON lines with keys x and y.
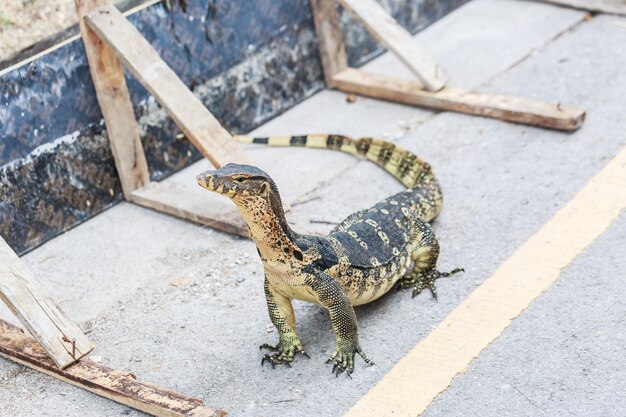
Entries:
{"x":343,"y":358}
{"x":425,"y":279}
{"x":268,"y":358}
{"x":286,"y":350}
{"x":275,"y":359}
{"x":365,"y":358}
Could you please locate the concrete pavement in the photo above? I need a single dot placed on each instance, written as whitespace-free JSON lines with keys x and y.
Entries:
{"x":182,"y":306}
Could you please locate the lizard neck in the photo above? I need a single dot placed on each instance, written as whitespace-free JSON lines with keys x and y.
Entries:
{"x":268,"y":226}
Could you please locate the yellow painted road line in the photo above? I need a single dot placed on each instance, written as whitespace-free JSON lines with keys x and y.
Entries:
{"x":428,"y":369}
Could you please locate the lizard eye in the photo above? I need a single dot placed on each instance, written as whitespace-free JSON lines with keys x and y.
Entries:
{"x":240,"y":179}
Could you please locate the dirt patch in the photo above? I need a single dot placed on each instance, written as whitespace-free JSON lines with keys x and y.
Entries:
{"x":26,"y":22}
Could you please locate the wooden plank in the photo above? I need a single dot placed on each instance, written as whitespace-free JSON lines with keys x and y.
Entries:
{"x":512,"y":109}
{"x":617,"y":7}
{"x":63,"y":341}
{"x":118,"y":386}
{"x":330,"y":38}
{"x":398,"y":41}
{"x":203,"y":208}
{"x":196,"y":122}
{"x":122,"y":128}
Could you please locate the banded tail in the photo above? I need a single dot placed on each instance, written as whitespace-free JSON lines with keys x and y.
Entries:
{"x":400,"y":163}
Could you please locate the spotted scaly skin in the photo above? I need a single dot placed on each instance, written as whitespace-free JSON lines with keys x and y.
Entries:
{"x":360,"y":260}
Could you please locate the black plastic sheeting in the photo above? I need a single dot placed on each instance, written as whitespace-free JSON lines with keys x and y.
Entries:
{"x":247,"y":60}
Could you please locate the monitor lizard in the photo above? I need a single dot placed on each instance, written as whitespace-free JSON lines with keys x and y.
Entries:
{"x":359,"y":261}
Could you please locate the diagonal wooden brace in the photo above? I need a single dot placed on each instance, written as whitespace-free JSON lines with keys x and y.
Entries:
{"x":111,"y":40}
{"x":195,"y":120}
{"x":398,"y":41}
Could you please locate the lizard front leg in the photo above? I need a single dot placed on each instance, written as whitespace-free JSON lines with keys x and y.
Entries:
{"x":283,"y":318}
{"x":330,"y":295}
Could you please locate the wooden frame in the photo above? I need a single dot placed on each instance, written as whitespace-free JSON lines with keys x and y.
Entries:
{"x":111,"y":40}
{"x":429,"y":90}
{"x":60,"y":348}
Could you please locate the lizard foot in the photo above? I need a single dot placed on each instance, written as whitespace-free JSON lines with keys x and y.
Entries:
{"x":343,"y":358}
{"x":286,"y":350}
{"x":425,"y":279}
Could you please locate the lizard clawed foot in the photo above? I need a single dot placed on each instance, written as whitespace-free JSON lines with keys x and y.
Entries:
{"x":426,"y":279}
{"x":286,"y":350}
{"x":343,"y":358}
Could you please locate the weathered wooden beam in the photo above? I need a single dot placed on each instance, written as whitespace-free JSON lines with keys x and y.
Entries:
{"x":217,"y":213}
{"x":601,"y":6}
{"x":122,"y":128}
{"x":60,"y":338}
{"x":330,"y":37}
{"x":118,"y":386}
{"x":109,"y":38}
{"x":512,"y":109}
{"x":196,"y":122}
{"x":398,"y":41}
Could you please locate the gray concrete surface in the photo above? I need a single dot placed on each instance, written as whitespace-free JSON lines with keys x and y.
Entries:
{"x":182,"y":306}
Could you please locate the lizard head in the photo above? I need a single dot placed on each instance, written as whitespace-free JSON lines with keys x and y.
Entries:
{"x":252,"y":190}
{"x":237,"y":182}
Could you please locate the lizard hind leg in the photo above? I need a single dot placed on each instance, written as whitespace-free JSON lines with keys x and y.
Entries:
{"x":418,"y":280}
{"x":424,"y":273}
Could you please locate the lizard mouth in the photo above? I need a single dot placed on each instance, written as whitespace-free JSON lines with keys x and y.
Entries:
{"x":216,"y":182}
{"x":206,"y":180}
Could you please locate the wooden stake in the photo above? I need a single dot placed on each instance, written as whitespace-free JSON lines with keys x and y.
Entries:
{"x":196,"y":122}
{"x":398,"y":41}
{"x":118,"y":386}
{"x":330,"y":38}
{"x":109,"y":38}
{"x":61,"y":339}
{"x":122,"y":129}
{"x":554,"y":116}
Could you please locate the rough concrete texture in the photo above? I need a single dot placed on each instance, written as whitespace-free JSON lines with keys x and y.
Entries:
{"x":182,"y":306}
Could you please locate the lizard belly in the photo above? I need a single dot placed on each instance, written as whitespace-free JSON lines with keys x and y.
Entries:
{"x":365,"y":285}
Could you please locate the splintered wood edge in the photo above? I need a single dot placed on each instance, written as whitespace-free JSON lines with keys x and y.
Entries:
{"x":59,"y":337}
{"x":171,"y":199}
{"x":118,"y":386}
{"x":512,"y":109}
